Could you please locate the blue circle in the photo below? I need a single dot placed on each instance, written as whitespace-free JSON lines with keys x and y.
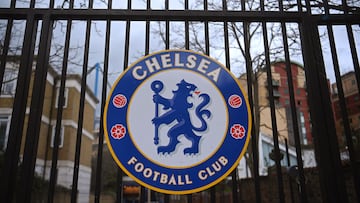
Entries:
{"x":162,"y":177}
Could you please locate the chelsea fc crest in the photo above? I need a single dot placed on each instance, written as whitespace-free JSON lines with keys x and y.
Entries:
{"x":177,"y":122}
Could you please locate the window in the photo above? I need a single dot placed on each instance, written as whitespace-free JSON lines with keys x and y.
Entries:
{"x":4,"y":131}
{"x":61,"y":142}
{"x":9,"y":82}
{"x":277,"y":103}
{"x":266,"y":152}
{"x":286,"y":83}
{"x":303,"y":128}
{"x":66,"y":94}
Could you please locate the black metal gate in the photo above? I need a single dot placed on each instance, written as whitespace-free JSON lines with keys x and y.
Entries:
{"x":68,"y":37}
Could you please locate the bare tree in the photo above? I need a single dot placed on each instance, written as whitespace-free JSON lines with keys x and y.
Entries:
{"x":236,"y":32}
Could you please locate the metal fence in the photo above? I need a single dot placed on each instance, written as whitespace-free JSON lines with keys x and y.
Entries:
{"x":246,"y":36}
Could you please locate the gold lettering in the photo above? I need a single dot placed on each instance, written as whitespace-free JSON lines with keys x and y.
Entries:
{"x":163,"y":178}
{"x":166,"y":60}
{"x":191,"y":61}
{"x":187,"y":179}
{"x":138,"y":73}
{"x":209,"y":171}
{"x":147,"y":172}
{"x":223,"y":160}
{"x":203,"y":66}
{"x":172,"y":180}
{"x":177,"y":60}
{"x":216,"y":166}
{"x":215,"y":74}
{"x":139,"y":167}
{"x":156,"y":175}
{"x":152,"y":64}
{"x":202,"y":175}
{"x":180,"y":182}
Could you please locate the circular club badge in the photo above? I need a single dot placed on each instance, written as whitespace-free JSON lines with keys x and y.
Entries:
{"x":177,"y":122}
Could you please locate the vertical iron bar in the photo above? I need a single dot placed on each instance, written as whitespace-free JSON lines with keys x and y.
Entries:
{"x":142,"y":194}
{"x":147,"y":30}
{"x":103,"y":101}
{"x":349,"y":141}
{"x":5,"y":50}
{"x":273,"y":115}
{"x":79,"y":133}
{"x":299,"y":6}
{"x":354,"y":56}
{"x":11,"y":157}
{"x":119,"y":186}
{"x":333,"y":142}
{"x":354,"y":165}
{"x":166,"y":198}
{"x":342,"y":102}
{"x":281,"y":6}
{"x":224,"y":5}
{"x":226,"y":44}
{"x":213,"y":194}
{"x":37,"y":101}
{"x":325,"y":142}
{"x":60,"y":99}
{"x":227,"y":62}
{"x":167,"y":46}
{"x":289,"y":164}
{"x":307,"y":6}
{"x":234,"y":181}
{"x":51,"y":4}
{"x":207,"y":49}
{"x":49,"y":126}
{"x":189,"y":198}
{"x":167,"y":27}
{"x":250,"y":80}
{"x":207,"y":37}
{"x":127,"y":39}
{"x":53,"y":170}
{"x":303,"y":196}
{"x":53,"y":96}
{"x":12,"y":3}
{"x":32,"y":3}
{"x":187,"y":41}
{"x":125,"y":65}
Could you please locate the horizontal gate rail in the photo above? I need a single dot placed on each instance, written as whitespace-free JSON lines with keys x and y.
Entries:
{"x":333,"y":189}
{"x":176,"y":15}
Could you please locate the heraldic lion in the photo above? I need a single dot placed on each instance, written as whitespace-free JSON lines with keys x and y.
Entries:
{"x":178,"y":110}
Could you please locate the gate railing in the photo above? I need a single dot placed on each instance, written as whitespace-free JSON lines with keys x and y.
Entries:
{"x":308,"y":15}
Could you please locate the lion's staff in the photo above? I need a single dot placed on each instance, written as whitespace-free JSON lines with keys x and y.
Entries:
{"x":156,"y":86}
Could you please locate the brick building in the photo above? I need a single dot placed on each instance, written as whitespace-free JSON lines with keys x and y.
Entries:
{"x":283,"y":114}
{"x":352,"y":100}
{"x":69,"y":125}
{"x":281,"y":92}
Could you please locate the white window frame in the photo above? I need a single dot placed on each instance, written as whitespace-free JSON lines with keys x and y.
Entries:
{"x":62,"y":130}
{"x":303,"y":129}
{"x":8,"y":119}
{"x":66,"y":96}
